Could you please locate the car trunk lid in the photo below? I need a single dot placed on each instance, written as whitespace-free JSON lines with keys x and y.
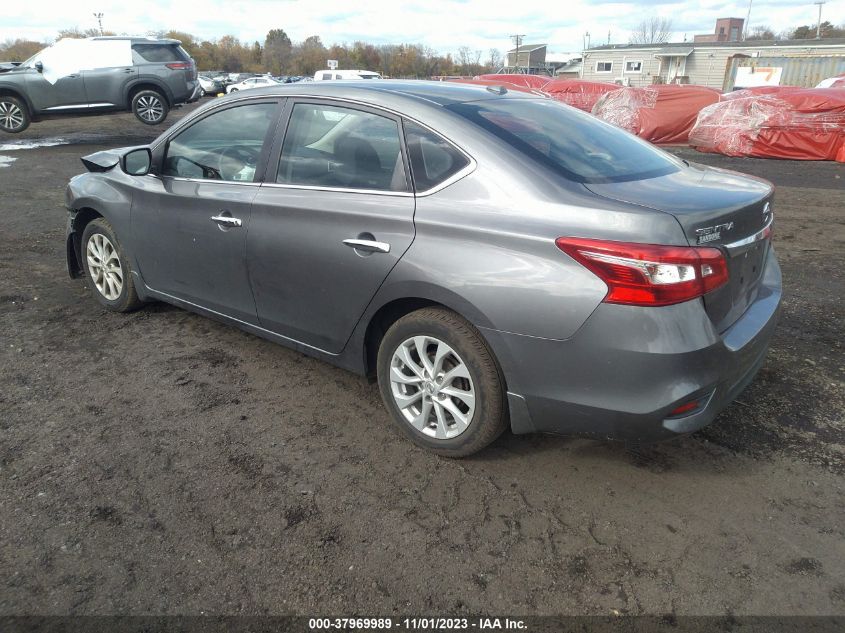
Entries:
{"x":714,"y":208}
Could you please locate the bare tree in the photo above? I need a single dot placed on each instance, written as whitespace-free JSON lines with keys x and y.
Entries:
{"x":495,"y":60}
{"x":760,"y":33}
{"x":653,"y":30}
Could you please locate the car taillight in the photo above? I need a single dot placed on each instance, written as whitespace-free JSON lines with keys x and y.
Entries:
{"x":649,"y":274}
{"x":179,"y":65}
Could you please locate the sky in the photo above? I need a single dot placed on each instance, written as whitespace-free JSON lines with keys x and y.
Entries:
{"x":445,"y":25}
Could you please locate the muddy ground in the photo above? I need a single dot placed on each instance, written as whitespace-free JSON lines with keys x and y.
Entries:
{"x":162,"y":463}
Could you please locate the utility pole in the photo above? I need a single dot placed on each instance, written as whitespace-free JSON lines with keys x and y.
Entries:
{"x":517,"y":40}
{"x":747,"y":22}
{"x":819,"y":24}
{"x":99,"y":17}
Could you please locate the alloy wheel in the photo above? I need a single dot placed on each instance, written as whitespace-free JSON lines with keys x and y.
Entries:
{"x":150,"y":108}
{"x":104,"y":266}
{"x":11,"y":116}
{"x":432,"y":387}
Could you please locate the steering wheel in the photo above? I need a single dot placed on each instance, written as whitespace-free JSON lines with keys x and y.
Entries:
{"x":234,"y":159}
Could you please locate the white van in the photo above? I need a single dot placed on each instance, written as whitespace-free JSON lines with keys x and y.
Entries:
{"x":326,"y":75}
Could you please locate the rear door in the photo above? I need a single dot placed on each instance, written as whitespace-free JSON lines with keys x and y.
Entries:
{"x":189,"y":225}
{"x":333,"y":217}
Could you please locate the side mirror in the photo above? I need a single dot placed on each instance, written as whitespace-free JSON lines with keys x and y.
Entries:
{"x":39,"y":67}
{"x":137,"y":162}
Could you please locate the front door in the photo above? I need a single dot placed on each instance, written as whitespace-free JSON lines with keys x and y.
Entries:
{"x":189,"y":224}
{"x":63,"y":93}
{"x":333,"y":218}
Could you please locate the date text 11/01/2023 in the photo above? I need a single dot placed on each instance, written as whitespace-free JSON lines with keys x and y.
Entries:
{"x":417,"y":624}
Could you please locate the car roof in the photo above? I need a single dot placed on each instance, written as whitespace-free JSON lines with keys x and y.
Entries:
{"x":138,"y":39}
{"x":378,"y":92}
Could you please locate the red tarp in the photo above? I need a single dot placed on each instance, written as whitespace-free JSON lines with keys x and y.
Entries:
{"x":577,"y":92}
{"x":663,"y":113}
{"x":774,"y":122}
{"x":526,"y":81}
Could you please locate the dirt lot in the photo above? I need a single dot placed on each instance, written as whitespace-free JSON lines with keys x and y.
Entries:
{"x":160,"y":462}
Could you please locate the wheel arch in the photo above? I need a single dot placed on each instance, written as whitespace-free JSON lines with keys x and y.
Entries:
{"x":147,"y":84}
{"x":396,"y":302}
{"x":83,"y":217}
{"x":7,"y":90}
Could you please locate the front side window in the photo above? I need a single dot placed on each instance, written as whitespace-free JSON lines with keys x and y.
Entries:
{"x":604,"y":67}
{"x":433,"y":158}
{"x":572,"y":143}
{"x":331,"y":146}
{"x":225,"y":145}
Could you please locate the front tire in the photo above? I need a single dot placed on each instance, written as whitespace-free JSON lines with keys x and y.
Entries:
{"x":441,"y":383}
{"x":150,"y":107}
{"x":14,"y":115}
{"x":107,"y":267}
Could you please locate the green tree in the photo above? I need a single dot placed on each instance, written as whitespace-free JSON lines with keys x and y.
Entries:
{"x":277,"y":50}
{"x":808,"y":32}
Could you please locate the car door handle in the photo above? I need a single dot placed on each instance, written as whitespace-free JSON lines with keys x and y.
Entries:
{"x":225,"y":220}
{"x":371,"y":246}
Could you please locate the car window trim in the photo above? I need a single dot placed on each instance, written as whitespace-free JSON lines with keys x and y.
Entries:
{"x":276,"y":152}
{"x":471,"y":167}
{"x":458,"y":175}
{"x":266,"y":146}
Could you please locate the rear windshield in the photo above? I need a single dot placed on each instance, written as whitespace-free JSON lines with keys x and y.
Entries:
{"x":570,"y":142}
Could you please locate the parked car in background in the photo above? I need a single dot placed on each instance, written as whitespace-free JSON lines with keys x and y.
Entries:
{"x":209,"y":86}
{"x":327,"y":75}
{"x":494,"y":258}
{"x":147,"y":76}
{"x":252,"y":82}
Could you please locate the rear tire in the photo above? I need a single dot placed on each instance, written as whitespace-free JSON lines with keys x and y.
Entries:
{"x":107,"y":268}
{"x":150,"y":107}
{"x":453,"y":401}
{"x":14,"y":115}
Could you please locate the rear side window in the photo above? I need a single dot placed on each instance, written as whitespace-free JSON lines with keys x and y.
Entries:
{"x":433,"y":158}
{"x":158,"y":52}
{"x":331,"y":146}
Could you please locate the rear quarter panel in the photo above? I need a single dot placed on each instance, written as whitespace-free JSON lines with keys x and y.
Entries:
{"x":486,"y":243}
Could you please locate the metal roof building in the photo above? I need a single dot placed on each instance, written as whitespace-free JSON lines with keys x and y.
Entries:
{"x":723,"y":65}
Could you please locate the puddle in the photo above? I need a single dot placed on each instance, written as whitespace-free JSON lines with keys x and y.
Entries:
{"x":32,"y":144}
{"x":6,"y":161}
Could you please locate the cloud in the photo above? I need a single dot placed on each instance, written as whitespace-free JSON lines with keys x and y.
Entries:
{"x":442,"y":24}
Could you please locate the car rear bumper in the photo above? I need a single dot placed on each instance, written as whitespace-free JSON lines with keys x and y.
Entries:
{"x":627,"y":368}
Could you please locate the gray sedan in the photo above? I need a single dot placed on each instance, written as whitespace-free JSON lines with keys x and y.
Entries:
{"x":495,"y":259}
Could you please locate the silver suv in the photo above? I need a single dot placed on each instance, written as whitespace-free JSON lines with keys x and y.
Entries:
{"x":101,"y":74}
